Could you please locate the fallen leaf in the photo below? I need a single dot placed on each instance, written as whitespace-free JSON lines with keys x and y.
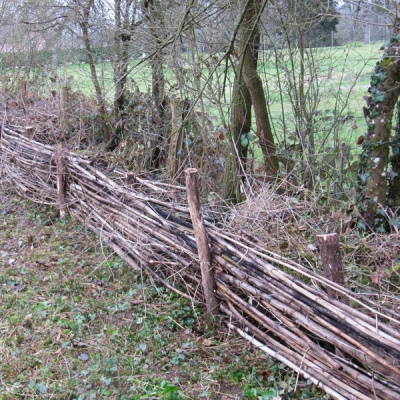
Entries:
{"x":312,"y":247}
{"x":136,"y":302}
{"x":378,"y":275}
{"x":84,"y":357}
{"x":265,"y":373}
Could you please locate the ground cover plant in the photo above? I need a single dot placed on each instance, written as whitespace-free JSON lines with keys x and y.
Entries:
{"x":77,"y":323}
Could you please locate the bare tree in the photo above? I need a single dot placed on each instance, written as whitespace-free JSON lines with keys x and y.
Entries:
{"x":247,"y":91}
{"x":126,"y":17}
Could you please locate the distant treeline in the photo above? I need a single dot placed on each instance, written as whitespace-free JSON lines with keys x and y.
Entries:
{"x":40,"y":58}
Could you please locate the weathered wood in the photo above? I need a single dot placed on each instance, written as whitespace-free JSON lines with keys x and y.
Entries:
{"x":131,"y":181}
{"x":24,"y":90}
{"x":332,"y":262}
{"x":175,"y":147}
{"x":200,"y":233}
{"x":29,"y":132}
{"x":65,"y":112}
{"x":61,"y":181}
{"x":299,"y":324}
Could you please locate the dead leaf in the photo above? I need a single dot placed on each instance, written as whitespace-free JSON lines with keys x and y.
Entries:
{"x":312,"y":247}
{"x":136,"y":302}
{"x":378,"y":275}
{"x":265,"y":373}
{"x":219,"y":135}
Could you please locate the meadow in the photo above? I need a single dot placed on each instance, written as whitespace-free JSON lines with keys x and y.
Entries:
{"x":335,"y":81}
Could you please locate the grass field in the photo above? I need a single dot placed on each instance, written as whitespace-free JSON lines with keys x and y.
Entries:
{"x":338,"y":78}
{"x":349,"y":64}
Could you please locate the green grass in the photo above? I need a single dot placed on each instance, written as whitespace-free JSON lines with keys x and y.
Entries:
{"x":349,"y":66}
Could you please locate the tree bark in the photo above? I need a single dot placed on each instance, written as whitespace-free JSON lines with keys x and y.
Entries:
{"x":240,"y":125}
{"x":125,"y":24}
{"x":251,"y":26}
{"x":154,"y":17}
{"x":373,"y":167}
{"x":394,"y":179}
{"x":332,"y":263}
{"x":84,"y":25}
{"x":179,"y":109}
{"x":62,"y":169}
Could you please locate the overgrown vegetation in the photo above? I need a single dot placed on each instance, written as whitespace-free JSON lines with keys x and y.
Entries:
{"x":152,"y":84}
{"x":77,"y":323}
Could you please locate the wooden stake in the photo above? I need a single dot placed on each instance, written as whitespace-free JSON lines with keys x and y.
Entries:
{"x":24,"y":89}
{"x":207,"y":274}
{"x":29,"y":132}
{"x":332,"y":263}
{"x":65,"y":108}
{"x":61,"y":181}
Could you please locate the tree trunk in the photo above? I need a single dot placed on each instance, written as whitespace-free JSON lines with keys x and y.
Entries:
{"x":373,"y":167}
{"x":394,"y":181}
{"x":125,"y":24}
{"x":84,"y":25}
{"x":179,"y":110}
{"x":240,"y":125}
{"x":251,"y":23}
{"x":154,"y":17}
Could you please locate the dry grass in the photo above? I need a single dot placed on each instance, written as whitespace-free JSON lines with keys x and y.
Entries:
{"x":288,"y":226}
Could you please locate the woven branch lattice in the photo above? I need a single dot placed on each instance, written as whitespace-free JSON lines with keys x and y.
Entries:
{"x":350,"y":353}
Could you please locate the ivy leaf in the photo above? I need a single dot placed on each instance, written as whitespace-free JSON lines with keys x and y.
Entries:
{"x":364,"y":178}
{"x":361,"y":225}
{"x":42,"y":387}
{"x":381,"y":212}
{"x":394,"y":222}
{"x":378,"y":96}
{"x":244,"y":142}
{"x":380,"y":229}
{"x":251,"y":136}
{"x":381,"y":76}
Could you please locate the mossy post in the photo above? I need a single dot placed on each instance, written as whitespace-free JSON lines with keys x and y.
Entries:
{"x":332,"y":263}
{"x":207,"y":274}
{"x":373,"y":172}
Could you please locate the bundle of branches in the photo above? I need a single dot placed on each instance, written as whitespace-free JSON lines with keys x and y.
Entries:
{"x":349,"y":353}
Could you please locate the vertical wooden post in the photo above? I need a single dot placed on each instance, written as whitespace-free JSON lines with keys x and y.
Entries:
{"x":332,"y":263}
{"x":53,"y":96}
{"x":61,"y":181}
{"x":207,"y":274}
{"x":65,"y":108}
{"x":29,"y":132}
{"x":24,"y":88}
{"x":131,"y":180}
